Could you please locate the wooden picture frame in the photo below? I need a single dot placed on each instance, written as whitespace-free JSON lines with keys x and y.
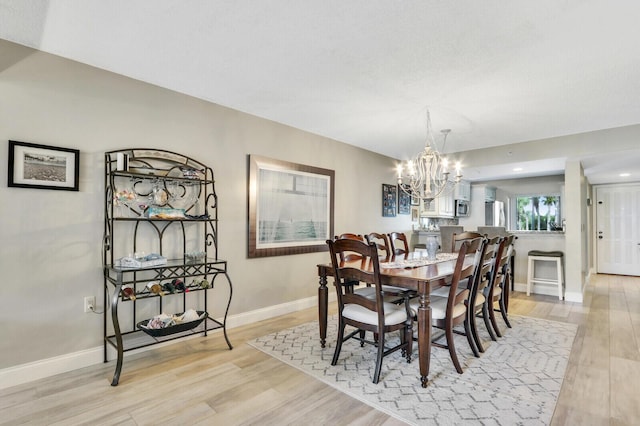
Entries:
{"x":389,"y":199}
{"x":43,"y":167}
{"x":404,"y":202}
{"x":291,"y":207}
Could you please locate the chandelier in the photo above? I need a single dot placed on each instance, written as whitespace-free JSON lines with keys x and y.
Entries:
{"x":426,"y":176}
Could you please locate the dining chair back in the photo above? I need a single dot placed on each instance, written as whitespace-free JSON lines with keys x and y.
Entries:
{"x":458,"y":238}
{"x":382,"y":243}
{"x":482,"y":281}
{"x":492,"y":292}
{"x":502,"y":284}
{"x":448,"y":312}
{"x":350,"y":236}
{"x":475,"y":298}
{"x":398,"y":243}
{"x":365,"y":313}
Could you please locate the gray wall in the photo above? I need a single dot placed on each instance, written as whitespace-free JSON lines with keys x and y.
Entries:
{"x":50,"y":256}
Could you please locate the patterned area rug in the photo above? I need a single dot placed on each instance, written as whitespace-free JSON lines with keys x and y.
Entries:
{"x":515,"y":382}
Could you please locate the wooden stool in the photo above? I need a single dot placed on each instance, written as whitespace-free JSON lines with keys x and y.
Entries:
{"x":548,"y":256}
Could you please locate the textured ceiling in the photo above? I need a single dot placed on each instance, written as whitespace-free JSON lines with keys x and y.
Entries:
{"x":363,"y":72}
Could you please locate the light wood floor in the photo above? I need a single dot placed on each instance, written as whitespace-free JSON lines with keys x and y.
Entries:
{"x":199,"y":381}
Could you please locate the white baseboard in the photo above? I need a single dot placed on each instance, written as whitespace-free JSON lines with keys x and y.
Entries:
{"x":569,"y":296}
{"x":29,"y":372}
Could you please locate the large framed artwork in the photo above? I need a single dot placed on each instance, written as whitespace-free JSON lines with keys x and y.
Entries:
{"x":389,"y":196}
{"x":43,"y":167}
{"x":290,"y":207}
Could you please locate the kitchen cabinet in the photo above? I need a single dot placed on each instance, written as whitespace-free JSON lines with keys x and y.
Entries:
{"x":441,"y":206}
{"x":462,"y":191}
{"x":489,"y":194}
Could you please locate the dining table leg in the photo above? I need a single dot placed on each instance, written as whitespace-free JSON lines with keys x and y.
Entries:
{"x":424,"y":333}
{"x":323,"y":306}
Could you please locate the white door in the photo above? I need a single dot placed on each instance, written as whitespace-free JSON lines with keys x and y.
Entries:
{"x":618,"y":229}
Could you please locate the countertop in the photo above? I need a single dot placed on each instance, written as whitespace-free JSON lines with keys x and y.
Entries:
{"x":538,"y":233}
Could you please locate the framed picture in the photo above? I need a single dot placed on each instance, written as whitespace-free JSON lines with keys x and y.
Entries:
{"x":404,"y":202}
{"x":415,"y":214}
{"x":290,"y":207}
{"x":43,"y":167}
{"x":389,"y":196}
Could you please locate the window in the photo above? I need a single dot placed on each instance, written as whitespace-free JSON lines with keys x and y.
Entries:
{"x":538,"y":213}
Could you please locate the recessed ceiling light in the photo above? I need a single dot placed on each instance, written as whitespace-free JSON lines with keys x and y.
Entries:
{"x":517,"y":169}
{"x":625,"y":174}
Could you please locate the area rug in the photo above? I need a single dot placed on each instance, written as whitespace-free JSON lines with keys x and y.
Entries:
{"x":515,"y":382}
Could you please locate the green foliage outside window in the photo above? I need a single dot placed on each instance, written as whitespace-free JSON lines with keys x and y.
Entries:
{"x":538,"y":213}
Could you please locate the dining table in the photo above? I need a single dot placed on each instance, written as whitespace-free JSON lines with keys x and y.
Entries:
{"x":411,"y":271}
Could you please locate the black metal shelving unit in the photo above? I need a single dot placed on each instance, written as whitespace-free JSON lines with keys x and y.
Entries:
{"x":165,"y":202}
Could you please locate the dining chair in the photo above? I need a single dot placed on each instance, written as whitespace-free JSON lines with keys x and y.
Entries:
{"x":475,"y":299}
{"x":382,"y":243}
{"x":456,"y":241}
{"x":384,"y":249}
{"x":367,"y":314}
{"x":493,"y":291}
{"x":482,"y":278}
{"x":448,"y":312}
{"x":398,"y":243}
{"x":458,"y":238}
{"x":392,"y":293}
{"x":350,"y":236}
{"x":501,"y":285}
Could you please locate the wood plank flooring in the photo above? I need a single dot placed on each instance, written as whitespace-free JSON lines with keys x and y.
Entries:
{"x":199,"y":381}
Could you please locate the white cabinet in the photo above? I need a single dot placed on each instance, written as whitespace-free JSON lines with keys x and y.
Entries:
{"x":489,"y":193}
{"x":446,"y":205}
{"x":462,"y":191}
{"x":442,"y":206}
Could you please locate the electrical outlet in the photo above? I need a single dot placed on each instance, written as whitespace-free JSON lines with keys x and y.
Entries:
{"x":89,"y":303}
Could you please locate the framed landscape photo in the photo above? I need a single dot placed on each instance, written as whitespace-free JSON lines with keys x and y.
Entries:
{"x":290,"y":207}
{"x":43,"y":167}
{"x":389,"y":197}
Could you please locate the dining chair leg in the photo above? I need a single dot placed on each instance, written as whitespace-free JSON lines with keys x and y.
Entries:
{"x":487,"y":323}
{"x":452,"y":349}
{"x":492,"y":318}
{"x":336,"y":353}
{"x":504,"y":302}
{"x":362,"y":335}
{"x":376,"y":375}
{"x":406,"y":337}
{"x":470,"y":339}
{"x":474,"y":332}
{"x":504,"y":315}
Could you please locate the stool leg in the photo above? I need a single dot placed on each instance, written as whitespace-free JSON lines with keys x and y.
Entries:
{"x":529,"y":276}
{"x":560,"y":281}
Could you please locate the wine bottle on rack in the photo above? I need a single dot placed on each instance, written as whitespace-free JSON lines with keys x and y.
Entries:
{"x":128,"y":293}
{"x":155,"y":288}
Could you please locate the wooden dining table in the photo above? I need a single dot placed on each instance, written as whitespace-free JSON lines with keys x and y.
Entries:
{"x":422,"y":279}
